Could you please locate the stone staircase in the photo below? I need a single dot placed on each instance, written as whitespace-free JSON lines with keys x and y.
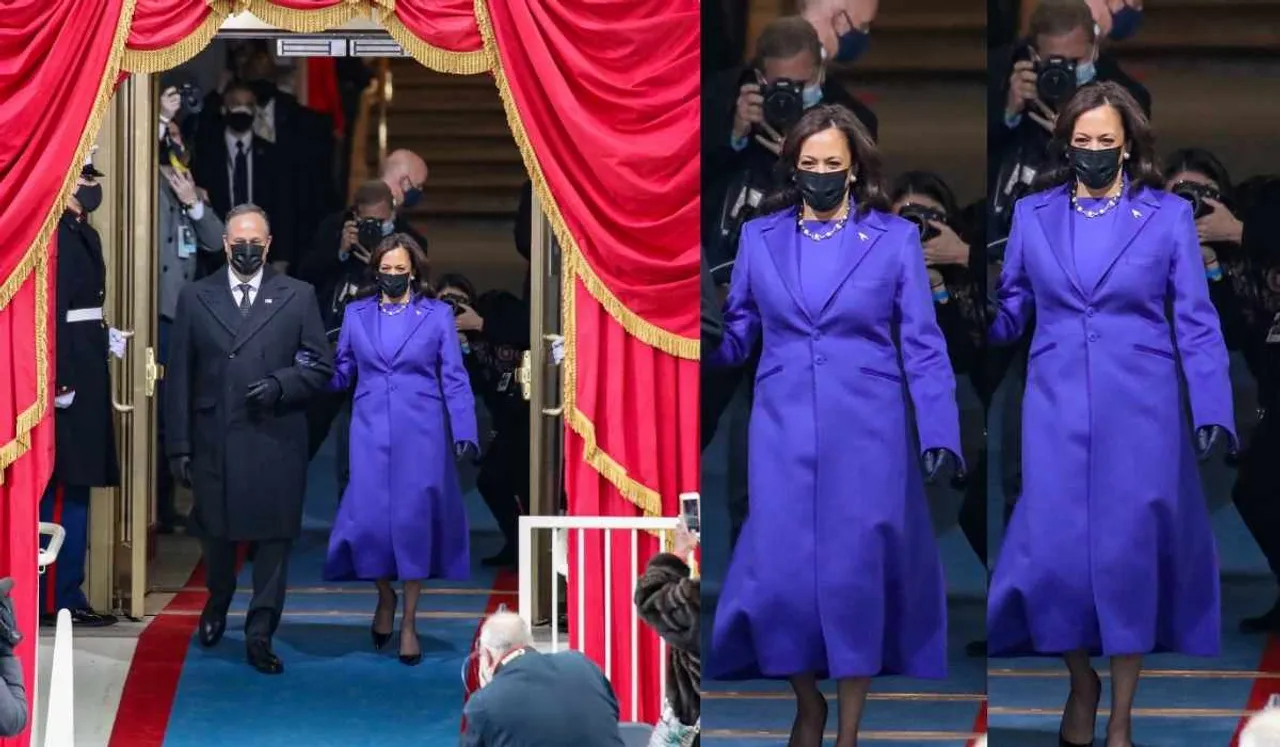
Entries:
{"x":926,"y":39}
{"x":1190,"y":29}
{"x":458,"y":125}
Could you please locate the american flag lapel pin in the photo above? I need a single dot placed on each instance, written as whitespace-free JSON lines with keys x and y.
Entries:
{"x":1136,"y":214}
{"x":862,"y":236}
{"x":266,"y":300}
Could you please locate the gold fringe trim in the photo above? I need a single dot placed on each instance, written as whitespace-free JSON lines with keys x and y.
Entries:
{"x":308,"y":21}
{"x":431,"y":56}
{"x":639,"y":328}
{"x":648,"y":500}
{"x":37,"y":256}
{"x":150,"y":61}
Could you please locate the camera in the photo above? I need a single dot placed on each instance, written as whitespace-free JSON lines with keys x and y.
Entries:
{"x":1196,"y":194}
{"x":369,"y":232}
{"x":1055,"y":80}
{"x":192,"y":98}
{"x":455,"y":302}
{"x":783,"y":104}
{"x":923,"y":217}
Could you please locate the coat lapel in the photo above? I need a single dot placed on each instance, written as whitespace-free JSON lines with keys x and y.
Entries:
{"x":420,"y":311}
{"x":783,"y":240}
{"x":273,"y":294}
{"x":1054,"y":213}
{"x":216,"y":296}
{"x":1134,"y":212}
{"x":856,"y":240}
{"x":368,"y":312}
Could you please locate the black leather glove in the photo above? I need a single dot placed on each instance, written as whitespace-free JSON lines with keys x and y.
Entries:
{"x":9,"y":635}
{"x":464,"y":449}
{"x":180,"y":468}
{"x":937,"y":461}
{"x":1208,"y":437}
{"x":263,"y":393}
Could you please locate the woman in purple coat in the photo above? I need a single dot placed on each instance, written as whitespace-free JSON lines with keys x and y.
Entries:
{"x":1109,"y":551}
{"x":402,"y":516}
{"x":836,"y":573}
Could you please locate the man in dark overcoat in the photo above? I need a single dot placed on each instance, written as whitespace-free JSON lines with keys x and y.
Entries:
{"x":248,"y":352}
{"x":84,"y":435}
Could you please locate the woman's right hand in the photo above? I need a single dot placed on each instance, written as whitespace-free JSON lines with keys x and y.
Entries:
{"x":684,"y":543}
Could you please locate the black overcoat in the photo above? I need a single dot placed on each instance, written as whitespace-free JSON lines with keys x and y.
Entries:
{"x":84,"y":434}
{"x":249,"y":467}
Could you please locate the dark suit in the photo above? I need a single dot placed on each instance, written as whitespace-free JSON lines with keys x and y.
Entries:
{"x":270,"y":190}
{"x":248,"y":467}
{"x":544,"y":700}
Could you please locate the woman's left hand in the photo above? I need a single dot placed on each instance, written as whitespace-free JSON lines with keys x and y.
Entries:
{"x":1219,"y":225}
{"x":947,"y":248}
{"x":464,"y":449}
{"x":685,"y":543}
{"x":468,"y":320}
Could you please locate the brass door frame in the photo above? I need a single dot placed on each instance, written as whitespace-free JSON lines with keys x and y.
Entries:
{"x":120,"y":518}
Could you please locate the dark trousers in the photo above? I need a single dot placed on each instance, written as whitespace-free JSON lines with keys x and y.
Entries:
{"x":331,"y":412}
{"x":166,"y":510}
{"x":973,"y":509}
{"x":1257,"y":490}
{"x":270,"y":580}
{"x":503,"y":480}
{"x":719,"y":389}
{"x":68,"y":506}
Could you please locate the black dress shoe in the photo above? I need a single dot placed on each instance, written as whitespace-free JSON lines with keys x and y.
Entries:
{"x":82,"y":618}
{"x":212,"y":626}
{"x":380,"y":640}
{"x":1268,"y":622}
{"x":262,"y":659}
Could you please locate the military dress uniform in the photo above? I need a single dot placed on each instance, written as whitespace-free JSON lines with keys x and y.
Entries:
{"x":84,"y":437}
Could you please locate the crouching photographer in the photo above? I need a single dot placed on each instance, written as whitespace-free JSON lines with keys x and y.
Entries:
{"x":13,"y":695}
{"x":668,"y":599}
{"x":493,"y":329}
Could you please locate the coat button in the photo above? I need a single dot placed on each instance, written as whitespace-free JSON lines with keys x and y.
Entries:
{"x":820,"y":360}
{"x":231,"y":355}
{"x":1090,"y":311}
{"x":817,"y":335}
{"x":1093,"y":337}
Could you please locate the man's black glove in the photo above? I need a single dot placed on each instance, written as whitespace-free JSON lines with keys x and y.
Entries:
{"x":1208,"y":437}
{"x":9,"y":635}
{"x":464,"y":449}
{"x":180,"y":468}
{"x":263,"y":393}
{"x":936,"y":461}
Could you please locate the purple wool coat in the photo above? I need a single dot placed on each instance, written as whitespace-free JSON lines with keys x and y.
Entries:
{"x":1110,"y":548}
{"x":836,"y":571}
{"x":402,"y":516}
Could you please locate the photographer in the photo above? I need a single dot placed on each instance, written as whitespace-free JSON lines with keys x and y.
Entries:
{"x":186,"y":226}
{"x":669,"y":600}
{"x":494,"y":331}
{"x":1061,"y":54}
{"x":13,"y":695}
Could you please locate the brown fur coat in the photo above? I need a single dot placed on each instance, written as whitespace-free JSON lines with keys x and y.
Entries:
{"x":669,"y":601}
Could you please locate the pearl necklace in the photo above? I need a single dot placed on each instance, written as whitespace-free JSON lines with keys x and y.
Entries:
{"x":825,"y":234}
{"x":392,"y":309}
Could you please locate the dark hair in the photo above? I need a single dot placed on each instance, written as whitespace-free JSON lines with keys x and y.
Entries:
{"x":1200,"y":161}
{"x":785,"y":38}
{"x":929,"y":184}
{"x":417,"y":260}
{"x":1061,"y":17}
{"x":455,"y":280}
{"x":239,"y":85}
{"x":1142,"y":167}
{"x":247,"y":208}
{"x":373,"y":192}
{"x":868,"y":189}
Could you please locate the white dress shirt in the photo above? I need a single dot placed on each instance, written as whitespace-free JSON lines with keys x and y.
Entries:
{"x":234,"y":140}
{"x":254,"y":282}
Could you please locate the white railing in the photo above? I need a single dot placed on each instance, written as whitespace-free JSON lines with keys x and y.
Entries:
{"x":59,"y":723}
{"x":610,"y":526}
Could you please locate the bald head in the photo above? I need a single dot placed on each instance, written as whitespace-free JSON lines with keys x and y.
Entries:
{"x":503,"y":633}
{"x":403,"y":171}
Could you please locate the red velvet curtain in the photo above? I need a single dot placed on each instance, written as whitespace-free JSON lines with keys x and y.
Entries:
{"x":604,"y":103}
{"x":58,"y":75}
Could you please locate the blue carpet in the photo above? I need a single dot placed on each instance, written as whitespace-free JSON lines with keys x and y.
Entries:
{"x":1027,"y":695}
{"x":336,"y":691}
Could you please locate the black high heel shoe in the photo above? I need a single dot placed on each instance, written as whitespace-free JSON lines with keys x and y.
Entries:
{"x":1062,"y":741}
{"x":380,"y":640}
{"x":412,"y":660}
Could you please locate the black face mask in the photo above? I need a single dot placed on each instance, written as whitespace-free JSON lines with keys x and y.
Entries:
{"x":239,"y":122}
{"x":823,"y":192}
{"x":393,"y":286}
{"x":1095,"y":169}
{"x":412,"y":196}
{"x":246,"y":258}
{"x":89,"y":196}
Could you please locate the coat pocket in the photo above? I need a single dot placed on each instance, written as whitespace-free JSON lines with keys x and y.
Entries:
{"x":885,"y":375}
{"x":1153,"y":351}
{"x":768,"y":372}
{"x":1041,"y":351}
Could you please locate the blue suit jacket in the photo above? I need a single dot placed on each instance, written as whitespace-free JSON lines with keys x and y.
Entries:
{"x":544,"y":700}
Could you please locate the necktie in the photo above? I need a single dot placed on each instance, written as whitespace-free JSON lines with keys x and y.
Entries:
{"x":246,"y":302}
{"x":240,"y":177}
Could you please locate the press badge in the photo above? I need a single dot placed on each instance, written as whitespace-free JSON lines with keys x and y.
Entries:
{"x":186,"y":242}
{"x":504,"y":382}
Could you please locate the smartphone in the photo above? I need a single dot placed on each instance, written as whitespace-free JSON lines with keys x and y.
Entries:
{"x":691,"y":512}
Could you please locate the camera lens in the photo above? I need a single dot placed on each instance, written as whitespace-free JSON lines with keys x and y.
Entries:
{"x":1056,"y":80}
{"x":783,"y":104}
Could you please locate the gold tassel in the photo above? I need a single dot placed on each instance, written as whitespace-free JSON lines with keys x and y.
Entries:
{"x":440,"y":60}
{"x":37,"y":256}
{"x":150,"y":61}
{"x":309,"y":21}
